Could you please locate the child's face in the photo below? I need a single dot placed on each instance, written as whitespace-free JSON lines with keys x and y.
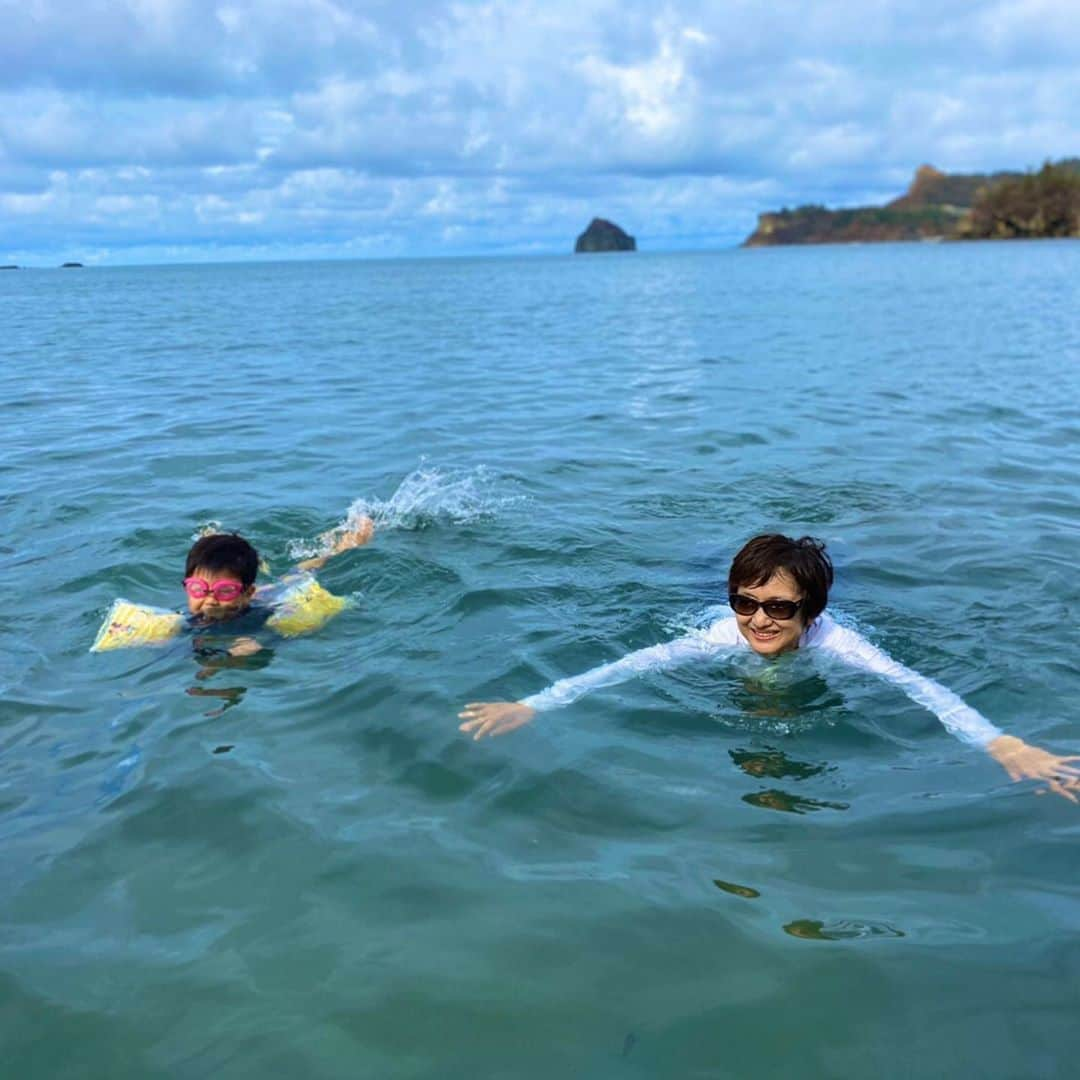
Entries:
{"x":209,"y":606}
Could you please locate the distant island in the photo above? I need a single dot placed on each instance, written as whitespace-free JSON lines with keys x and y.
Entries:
{"x":10,"y":266}
{"x":71,"y":266}
{"x":603,"y":235}
{"x":943,"y":206}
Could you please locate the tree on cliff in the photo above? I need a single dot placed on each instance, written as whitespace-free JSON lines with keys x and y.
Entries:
{"x":1045,"y":203}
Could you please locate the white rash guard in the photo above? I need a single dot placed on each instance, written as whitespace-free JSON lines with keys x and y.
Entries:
{"x":824,"y":633}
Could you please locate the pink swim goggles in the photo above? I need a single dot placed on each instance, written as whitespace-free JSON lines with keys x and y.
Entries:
{"x":224,"y":592}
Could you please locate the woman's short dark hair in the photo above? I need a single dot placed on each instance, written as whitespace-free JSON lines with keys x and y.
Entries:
{"x":804,"y":559}
{"x":224,"y":552}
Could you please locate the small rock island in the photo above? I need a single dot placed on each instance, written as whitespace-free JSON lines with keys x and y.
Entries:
{"x":603,"y":235}
{"x":71,"y":266}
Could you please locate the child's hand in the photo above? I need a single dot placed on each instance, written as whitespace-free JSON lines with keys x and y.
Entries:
{"x":494,"y":717}
{"x":353,"y":538}
{"x":340,"y":541}
{"x":245,"y":646}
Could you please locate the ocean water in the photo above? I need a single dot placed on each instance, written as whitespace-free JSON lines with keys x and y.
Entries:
{"x":295,"y":866}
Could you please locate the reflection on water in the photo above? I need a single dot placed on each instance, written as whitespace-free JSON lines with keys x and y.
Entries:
{"x":230,"y":695}
{"x":841,"y":930}
{"x":777,"y":765}
{"x":783,"y":698}
{"x":774,"y":763}
{"x":737,"y":890}
{"x":213,"y":660}
{"x":775,"y":799}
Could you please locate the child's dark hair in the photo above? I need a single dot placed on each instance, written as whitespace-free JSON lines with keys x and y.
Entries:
{"x":224,"y":552}
{"x":804,"y":559}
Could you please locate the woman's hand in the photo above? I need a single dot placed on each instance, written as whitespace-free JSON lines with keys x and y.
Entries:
{"x":1024,"y":762}
{"x":494,"y":717}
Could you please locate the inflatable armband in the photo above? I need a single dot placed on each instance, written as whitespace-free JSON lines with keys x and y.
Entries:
{"x":130,"y":624}
{"x":303,"y":607}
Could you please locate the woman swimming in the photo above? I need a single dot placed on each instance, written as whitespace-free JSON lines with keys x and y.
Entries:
{"x":778,"y":588}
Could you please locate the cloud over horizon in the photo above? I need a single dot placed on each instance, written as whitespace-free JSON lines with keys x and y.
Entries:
{"x":157,"y":130}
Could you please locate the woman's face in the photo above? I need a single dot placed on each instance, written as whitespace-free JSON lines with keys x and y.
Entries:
{"x":770,"y":637}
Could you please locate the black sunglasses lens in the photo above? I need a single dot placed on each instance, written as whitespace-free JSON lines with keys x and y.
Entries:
{"x":780,"y":609}
{"x":775,"y":609}
{"x":742,"y":605}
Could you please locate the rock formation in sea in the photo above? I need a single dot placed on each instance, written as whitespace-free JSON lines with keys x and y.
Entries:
{"x":604,"y":235}
{"x":71,"y":266}
{"x":941,"y":206}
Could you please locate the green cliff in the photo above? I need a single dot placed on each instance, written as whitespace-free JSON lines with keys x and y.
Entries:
{"x":942,"y":206}
{"x":1041,"y":204}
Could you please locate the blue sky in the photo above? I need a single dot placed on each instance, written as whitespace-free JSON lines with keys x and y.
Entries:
{"x":188,"y":130}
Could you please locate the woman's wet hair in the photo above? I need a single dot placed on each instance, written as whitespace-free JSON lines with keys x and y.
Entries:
{"x":224,"y":553}
{"x":804,"y":559}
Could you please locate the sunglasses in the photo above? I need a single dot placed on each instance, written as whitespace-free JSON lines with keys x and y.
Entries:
{"x":224,"y":592}
{"x":780,"y":610}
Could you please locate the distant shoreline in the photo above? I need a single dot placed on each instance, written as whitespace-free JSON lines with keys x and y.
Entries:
{"x":729,"y":248}
{"x":941,"y":206}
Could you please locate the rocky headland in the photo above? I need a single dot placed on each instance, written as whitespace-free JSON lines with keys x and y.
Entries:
{"x":603,"y":235}
{"x":942,"y":206}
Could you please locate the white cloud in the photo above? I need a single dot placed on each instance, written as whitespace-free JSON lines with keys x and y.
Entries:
{"x":16,"y":204}
{"x":656,"y":96}
{"x":186,"y":122}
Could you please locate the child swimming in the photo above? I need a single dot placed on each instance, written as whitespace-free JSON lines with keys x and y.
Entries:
{"x":777,"y":589}
{"x":219,"y":581}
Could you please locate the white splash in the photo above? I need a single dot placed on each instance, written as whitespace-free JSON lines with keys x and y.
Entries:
{"x":209,"y":528}
{"x":427,"y":496}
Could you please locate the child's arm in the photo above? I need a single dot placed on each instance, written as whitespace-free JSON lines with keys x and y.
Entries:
{"x":245,"y":653}
{"x":1019,"y":759}
{"x":499,"y":717}
{"x":340,"y":540}
{"x":244,"y":646}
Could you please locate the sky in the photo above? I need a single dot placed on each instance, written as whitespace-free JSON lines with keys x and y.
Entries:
{"x":158,"y":131}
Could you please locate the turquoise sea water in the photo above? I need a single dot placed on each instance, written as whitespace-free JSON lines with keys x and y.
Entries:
{"x":297,"y":867}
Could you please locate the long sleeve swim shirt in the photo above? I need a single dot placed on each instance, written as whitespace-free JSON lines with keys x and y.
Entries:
{"x":723,"y":636}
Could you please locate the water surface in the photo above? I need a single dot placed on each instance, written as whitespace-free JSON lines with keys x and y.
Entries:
{"x":298,"y":867}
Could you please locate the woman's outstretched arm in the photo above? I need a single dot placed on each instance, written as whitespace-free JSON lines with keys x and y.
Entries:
{"x":482,"y":718}
{"x":1020,"y":760}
